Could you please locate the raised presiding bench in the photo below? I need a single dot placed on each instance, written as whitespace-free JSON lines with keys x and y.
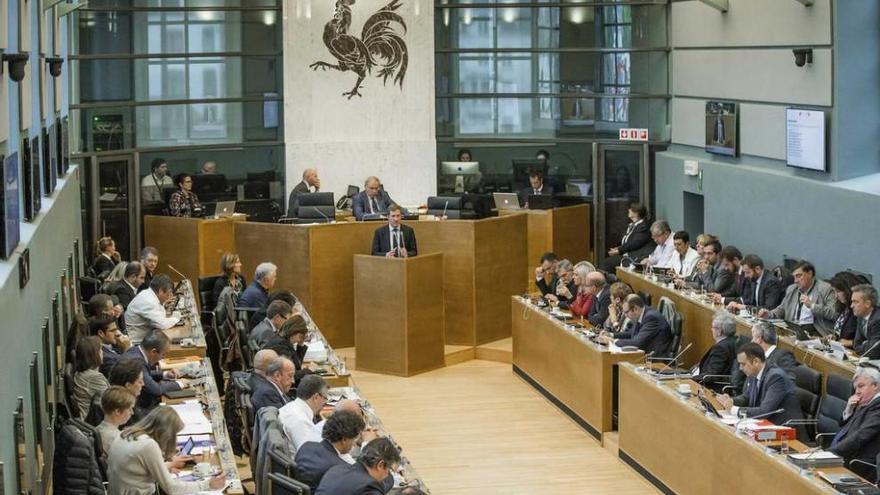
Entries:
{"x":671,"y":441}
{"x":573,"y":372}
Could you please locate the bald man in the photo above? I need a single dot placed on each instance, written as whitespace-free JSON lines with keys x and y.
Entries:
{"x":372,"y":201}
{"x":310,"y":183}
{"x":262,"y":359}
{"x":209,"y":168}
{"x":602,"y":294}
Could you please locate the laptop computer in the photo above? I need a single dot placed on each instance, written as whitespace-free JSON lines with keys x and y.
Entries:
{"x":224,"y":209}
{"x":506,"y":201}
{"x":540,"y":202}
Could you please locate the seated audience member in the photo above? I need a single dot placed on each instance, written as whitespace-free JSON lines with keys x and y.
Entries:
{"x":395,"y":240}
{"x":761,"y":289}
{"x":650,"y":331}
{"x":565,"y":291}
{"x":298,"y":417}
{"x":150,"y":259}
{"x":184,"y":202}
{"x":257,"y":294}
{"x":807,"y":302}
{"x":88,"y":380}
{"x":373,"y":200}
{"x":128,"y":373}
{"x":209,"y":168}
{"x":584,"y":297}
{"x":764,"y":334}
{"x":636,"y":242}
{"x":153,"y":184}
{"x":703,"y":240}
{"x":136,"y":462}
{"x":536,"y":188}
{"x":545,"y":274}
{"x":230,"y":269}
{"x":147,"y":310}
{"x":617,"y":320}
{"x":103,"y":305}
{"x":685,"y":258}
{"x":602,"y":298}
{"x":864,"y":306}
{"x":310,"y":183}
{"x":731,"y":262}
{"x":278,"y":295}
{"x":117,"y":404}
{"x":464,"y":155}
{"x":273,"y":390}
{"x":846,"y":322}
{"x":767,"y":389}
{"x":368,"y":475}
{"x":710,"y":273}
{"x":107,"y":258}
{"x":859,"y":438}
{"x":718,"y":361}
{"x":276,"y":314}
{"x":149,"y":352}
{"x":126,"y":289}
{"x":339,"y":435}
{"x":262,"y":359}
{"x":664,"y":251}
{"x":112,"y":346}
{"x":289,"y":342}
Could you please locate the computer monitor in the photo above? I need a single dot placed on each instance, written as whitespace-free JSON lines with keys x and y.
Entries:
{"x":460,"y":170}
{"x":209,"y":183}
{"x":268,"y":176}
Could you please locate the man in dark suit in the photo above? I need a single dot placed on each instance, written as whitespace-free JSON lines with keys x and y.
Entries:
{"x":367,"y":476}
{"x":127,"y":288}
{"x":373,"y":200}
{"x":651,"y":332}
{"x":565,"y":290}
{"x":340,"y":433}
{"x":150,"y":259}
{"x":711,"y":274}
{"x":545,"y":274}
{"x":274,"y":389}
{"x":761,"y":290}
{"x":149,"y":352}
{"x":636,"y":242}
{"x":536,"y":188}
{"x":764,"y":334}
{"x":262,"y":359}
{"x":864,"y":307}
{"x":859,"y":438}
{"x":719,"y":359}
{"x":602,"y":294}
{"x":276,"y":314}
{"x":310,"y":183}
{"x":395,"y":240}
{"x":731,"y":262}
{"x":767,"y":389}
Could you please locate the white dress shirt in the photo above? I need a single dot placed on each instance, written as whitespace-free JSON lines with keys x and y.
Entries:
{"x":146,"y":313}
{"x":297,"y":419}
{"x":663,"y":254}
{"x":686,"y":267}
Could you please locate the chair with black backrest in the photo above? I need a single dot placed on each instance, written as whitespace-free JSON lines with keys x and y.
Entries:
{"x":266,"y":419}
{"x":809,"y":388}
{"x":829,"y":417}
{"x":316,"y":207}
{"x":646,"y":297}
{"x":88,"y":287}
{"x":274,"y":456}
{"x":247,"y":414}
{"x":282,"y":485}
{"x":69,"y":387}
{"x":206,"y":293}
{"x":450,"y":206}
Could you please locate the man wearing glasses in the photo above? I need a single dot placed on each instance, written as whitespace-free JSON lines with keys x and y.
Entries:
{"x":297,"y":417}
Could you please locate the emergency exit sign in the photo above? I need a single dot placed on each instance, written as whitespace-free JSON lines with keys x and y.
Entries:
{"x":633,"y":135}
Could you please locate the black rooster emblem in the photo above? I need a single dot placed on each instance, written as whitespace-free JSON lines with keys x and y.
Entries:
{"x":379,"y":45}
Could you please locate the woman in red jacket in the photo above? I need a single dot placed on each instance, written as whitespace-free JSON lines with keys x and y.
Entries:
{"x":584,"y":299}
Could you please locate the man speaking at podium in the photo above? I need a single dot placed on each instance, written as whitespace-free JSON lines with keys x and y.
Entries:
{"x":394,"y":240}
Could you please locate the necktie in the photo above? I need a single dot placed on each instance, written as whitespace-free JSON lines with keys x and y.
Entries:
{"x":395,"y":239}
{"x":374,"y":206}
{"x":863,"y":325}
{"x":753,"y":392}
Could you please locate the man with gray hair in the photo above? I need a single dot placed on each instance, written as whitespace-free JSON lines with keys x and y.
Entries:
{"x":257,"y":294}
{"x":718,"y":361}
{"x":261,"y":362}
{"x":665,"y":250}
{"x":859,"y":438}
{"x":273,"y":391}
{"x":864,"y":307}
{"x":372,"y":201}
{"x":566,"y":290}
{"x":310,"y":183}
{"x":764,"y":334}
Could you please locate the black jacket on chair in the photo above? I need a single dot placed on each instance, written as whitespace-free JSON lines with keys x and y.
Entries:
{"x":651,"y":334}
{"x":314,"y":459}
{"x":78,"y":468}
{"x":103,"y":266}
{"x":862,"y":439}
{"x":718,"y":360}
{"x":382,"y":240}
{"x":775,"y":390}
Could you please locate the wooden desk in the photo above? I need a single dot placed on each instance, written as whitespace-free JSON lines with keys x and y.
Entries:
{"x":564,"y":231}
{"x":679,"y":449}
{"x":697,"y":325}
{"x":398,"y":314}
{"x":572,"y":372}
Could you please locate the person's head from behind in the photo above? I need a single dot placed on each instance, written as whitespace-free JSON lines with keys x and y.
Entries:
{"x":380,"y":458}
{"x":104,"y":328}
{"x":101,"y":305}
{"x":117,"y":403}
{"x":155,"y":346}
{"x":542,"y":156}
{"x":312,"y":390}
{"x":343,"y":429}
{"x":751,"y":359}
{"x":150,"y":258}
{"x":266,"y":274}
{"x":764,"y":334}
{"x":804,"y":273}
{"x":162,"y":425}
{"x":129,"y":374}
{"x":278,"y":312}
{"x":310,"y":176}
{"x":619,"y":291}
{"x":395,"y":215}
{"x":636,"y":212}
{"x":280,"y":372}
{"x":262,"y":359}
{"x":89,"y":354}
{"x":184,"y":181}
{"x":633,"y":306}
{"x":731,"y":258}
{"x":230,"y":265}
{"x":163,"y":287}
{"x":660,"y":231}
{"x":209,"y":167}
{"x":596,"y":281}
{"x":712,"y":252}
{"x":753,"y":266}
{"x":159,"y":167}
{"x":294,"y":330}
{"x":465,"y":155}
{"x":134,"y":274}
{"x":548,"y":262}
{"x":536,"y":179}
{"x":372,"y":186}
{"x":106,"y":245}
{"x":866,"y":384}
{"x":681,"y":241}
{"x":564,"y":270}
{"x":283,"y":295}
{"x":723,"y":325}
{"x":864,"y":300}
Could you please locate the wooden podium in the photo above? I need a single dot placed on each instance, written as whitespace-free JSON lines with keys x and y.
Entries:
{"x":398,"y":314}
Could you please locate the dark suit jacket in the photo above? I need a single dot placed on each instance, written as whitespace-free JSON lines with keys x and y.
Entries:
{"x":781,"y":358}
{"x":740,"y":288}
{"x":154,"y":385}
{"x":720,"y":281}
{"x":148,"y":277}
{"x":638,"y":239}
{"x":314,"y":459}
{"x":599,"y":310}
{"x":572,"y":289}
{"x":862,"y":439}
{"x":652,"y":334}
{"x":546,"y":288}
{"x":267,"y":395}
{"x":349,"y":480}
{"x":102,"y":266}
{"x":870,"y":335}
{"x":776,"y":390}
{"x":123,"y":292}
{"x":382,"y":240}
{"x":524,"y":194}
{"x":110,"y":357}
{"x":283,"y":347}
{"x":255,"y":296}
{"x":292,"y":203}
{"x":770,"y":292}
{"x":718,"y":360}
{"x":360,"y":204}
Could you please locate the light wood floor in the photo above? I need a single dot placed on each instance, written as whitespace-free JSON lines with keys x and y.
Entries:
{"x":475,"y":428}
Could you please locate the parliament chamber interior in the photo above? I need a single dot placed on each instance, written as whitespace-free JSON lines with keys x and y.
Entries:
{"x":275,"y":247}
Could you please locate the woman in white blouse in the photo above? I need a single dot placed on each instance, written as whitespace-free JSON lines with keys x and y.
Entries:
{"x":136,"y":463}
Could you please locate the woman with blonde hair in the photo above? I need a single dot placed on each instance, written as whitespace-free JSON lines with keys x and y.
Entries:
{"x":107,"y":257}
{"x":136,"y":463}
{"x":585,"y":298}
{"x":230,"y":271}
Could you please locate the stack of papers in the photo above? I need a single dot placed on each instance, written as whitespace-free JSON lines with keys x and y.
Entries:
{"x":316,"y":352}
{"x":194,"y":420}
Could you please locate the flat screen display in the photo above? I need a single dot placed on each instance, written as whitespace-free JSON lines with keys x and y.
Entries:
{"x":10,"y":206}
{"x":805,"y":139}
{"x":722,"y":128}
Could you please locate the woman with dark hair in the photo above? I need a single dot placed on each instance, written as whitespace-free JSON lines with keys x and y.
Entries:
{"x":230,"y":268}
{"x":845,"y":324}
{"x":88,"y":380}
{"x":464,"y":155}
{"x":290,"y":343}
{"x":184,"y":202}
{"x":636,"y":238}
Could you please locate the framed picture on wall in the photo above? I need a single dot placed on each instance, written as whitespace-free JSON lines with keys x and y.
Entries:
{"x":21,"y":486}
{"x":49,"y":369}
{"x":35,"y":175}
{"x":37,"y":419}
{"x":27,"y":178}
{"x":65,"y":301}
